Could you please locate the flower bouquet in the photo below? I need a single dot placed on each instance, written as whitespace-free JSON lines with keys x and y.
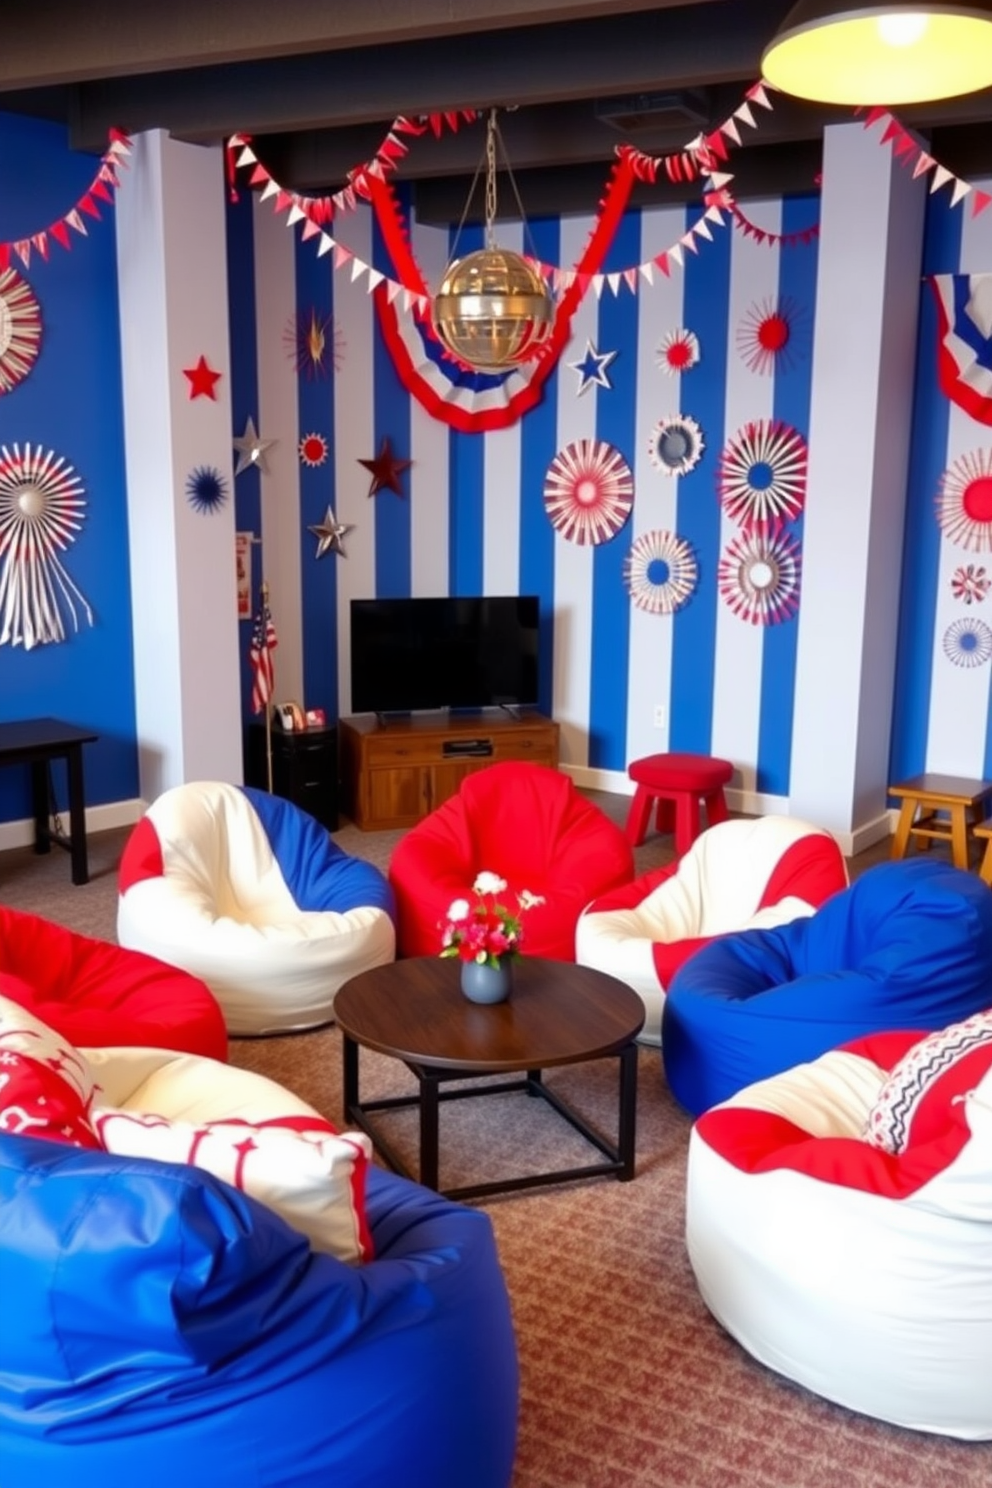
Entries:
{"x":486,"y":932}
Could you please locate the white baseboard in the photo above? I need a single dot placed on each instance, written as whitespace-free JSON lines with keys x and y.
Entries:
{"x":98,"y":819}
{"x":750,"y":803}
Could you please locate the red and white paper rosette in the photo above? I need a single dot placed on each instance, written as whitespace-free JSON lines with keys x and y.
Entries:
{"x":20,"y":329}
{"x":761,"y":476}
{"x":678,"y":352}
{"x":964,"y":502}
{"x":660,"y":572}
{"x":588,"y":491}
{"x":758,"y":577}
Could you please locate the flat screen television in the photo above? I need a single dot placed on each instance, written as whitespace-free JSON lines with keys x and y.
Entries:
{"x":413,"y":655}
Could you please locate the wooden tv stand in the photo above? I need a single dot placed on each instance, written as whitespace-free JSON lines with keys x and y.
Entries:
{"x":396,"y":771}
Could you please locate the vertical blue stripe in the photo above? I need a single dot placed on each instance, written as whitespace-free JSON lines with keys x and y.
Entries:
{"x":921,"y":541}
{"x":390,"y":421}
{"x":792,"y":395}
{"x":466,"y":464}
{"x":616,"y":425}
{"x":315,"y":394}
{"x":706,"y":310}
{"x":538,"y":447}
{"x":244,"y":399}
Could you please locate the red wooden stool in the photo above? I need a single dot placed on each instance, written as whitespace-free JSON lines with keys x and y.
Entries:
{"x":677,"y":783}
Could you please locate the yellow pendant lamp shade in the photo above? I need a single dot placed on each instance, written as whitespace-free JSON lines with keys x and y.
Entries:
{"x":890,"y":54}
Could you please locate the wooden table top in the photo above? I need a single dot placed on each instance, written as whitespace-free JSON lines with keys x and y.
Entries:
{"x":42,"y":733}
{"x":952,"y":789}
{"x":557,"y":1013}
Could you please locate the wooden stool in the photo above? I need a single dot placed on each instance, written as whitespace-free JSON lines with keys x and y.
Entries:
{"x":984,"y":829}
{"x":676,"y":784}
{"x":951,"y":808}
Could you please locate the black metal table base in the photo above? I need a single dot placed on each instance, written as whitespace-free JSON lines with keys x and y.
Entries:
{"x":619,"y":1155}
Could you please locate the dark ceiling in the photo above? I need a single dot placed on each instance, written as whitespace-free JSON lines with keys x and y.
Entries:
{"x":317,"y":82}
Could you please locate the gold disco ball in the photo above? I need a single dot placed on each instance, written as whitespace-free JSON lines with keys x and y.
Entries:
{"x":493,"y":309}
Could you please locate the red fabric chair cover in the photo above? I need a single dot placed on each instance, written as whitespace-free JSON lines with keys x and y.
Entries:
{"x":96,"y":994}
{"x":529,"y":824}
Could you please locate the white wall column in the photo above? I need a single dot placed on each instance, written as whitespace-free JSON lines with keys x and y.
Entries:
{"x":173,"y":309}
{"x":867,"y":306}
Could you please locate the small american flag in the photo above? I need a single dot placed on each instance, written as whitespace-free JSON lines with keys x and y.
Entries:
{"x":263,"y":643}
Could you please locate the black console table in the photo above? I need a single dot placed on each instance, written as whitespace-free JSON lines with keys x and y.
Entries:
{"x":304,"y":768}
{"x":37,"y":741}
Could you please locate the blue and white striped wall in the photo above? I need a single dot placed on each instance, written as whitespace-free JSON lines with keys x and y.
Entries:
{"x":473,"y":519}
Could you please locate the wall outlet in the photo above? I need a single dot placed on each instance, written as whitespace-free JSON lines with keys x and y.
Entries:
{"x":660,"y":715}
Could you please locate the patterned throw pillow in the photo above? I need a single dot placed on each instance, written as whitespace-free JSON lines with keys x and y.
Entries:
{"x":922,"y":1090}
{"x":304,"y":1170}
{"x":45,"y":1084}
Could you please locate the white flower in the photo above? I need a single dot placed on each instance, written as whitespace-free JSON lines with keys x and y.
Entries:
{"x":528,"y":900}
{"x":459,"y":910}
{"x":489,"y":883}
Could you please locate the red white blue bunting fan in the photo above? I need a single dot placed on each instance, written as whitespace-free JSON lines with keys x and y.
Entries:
{"x":20,"y":329}
{"x":41,"y":510}
{"x":964,"y":502}
{"x":761,"y":476}
{"x":964,"y":352}
{"x":968,"y":642}
{"x":588,"y":492}
{"x":661,"y":572}
{"x":970,"y":584}
{"x":758,"y":577}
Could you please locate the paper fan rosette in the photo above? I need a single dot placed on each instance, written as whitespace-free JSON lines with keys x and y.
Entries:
{"x":964,"y":502}
{"x":968,"y":642}
{"x":761,"y":475}
{"x":970,"y":583}
{"x":20,"y":329}
{"x":676,"y":444}
{"x":588,"y":491}
{"x":41,"y":510}
{"x":678,"y":352}
{"x":758,"y":577}
{"x":660,"y":572}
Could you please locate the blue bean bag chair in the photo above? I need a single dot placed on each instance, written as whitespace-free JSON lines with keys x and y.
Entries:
{"x":164,"y":1330}
{"x":908,"y":945}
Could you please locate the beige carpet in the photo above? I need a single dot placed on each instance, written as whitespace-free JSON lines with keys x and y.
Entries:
{"x":627,"y":1382}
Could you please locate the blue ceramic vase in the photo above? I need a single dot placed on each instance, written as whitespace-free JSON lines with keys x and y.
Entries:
{"x":481,"y":983}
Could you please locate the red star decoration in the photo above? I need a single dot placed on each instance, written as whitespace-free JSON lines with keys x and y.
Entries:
{"x":386,"y":470}
{"x":201,"y":380}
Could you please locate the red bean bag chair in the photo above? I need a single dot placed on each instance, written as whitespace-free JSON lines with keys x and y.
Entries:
{"x":529,"y":825}
{"x":95,"y":993}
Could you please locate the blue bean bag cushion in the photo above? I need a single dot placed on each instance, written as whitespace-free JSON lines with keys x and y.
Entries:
{"x":162,"y":1329}
{"x":908,"y":945}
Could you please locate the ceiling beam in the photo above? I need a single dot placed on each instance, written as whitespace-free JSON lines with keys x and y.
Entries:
{"x":65,"y":41}
{"x":713,"y":43}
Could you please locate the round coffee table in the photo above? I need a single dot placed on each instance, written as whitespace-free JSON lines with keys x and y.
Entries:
{"x":558,"y":1013}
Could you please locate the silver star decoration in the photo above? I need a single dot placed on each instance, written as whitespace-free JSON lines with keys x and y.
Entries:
{"x":251,"y":449}
{"x":592,"y":369}
{"x":329,"y":534}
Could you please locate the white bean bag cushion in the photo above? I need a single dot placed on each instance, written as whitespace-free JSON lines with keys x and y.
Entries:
{"x":737,"y":875}
{"x":862,"y":1273}
{"x":252,"y":895}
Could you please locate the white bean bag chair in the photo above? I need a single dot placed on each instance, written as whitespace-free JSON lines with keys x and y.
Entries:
{"x":737,"y":875}
{"x":253,"y":896}
{"x":839,"y":1223}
